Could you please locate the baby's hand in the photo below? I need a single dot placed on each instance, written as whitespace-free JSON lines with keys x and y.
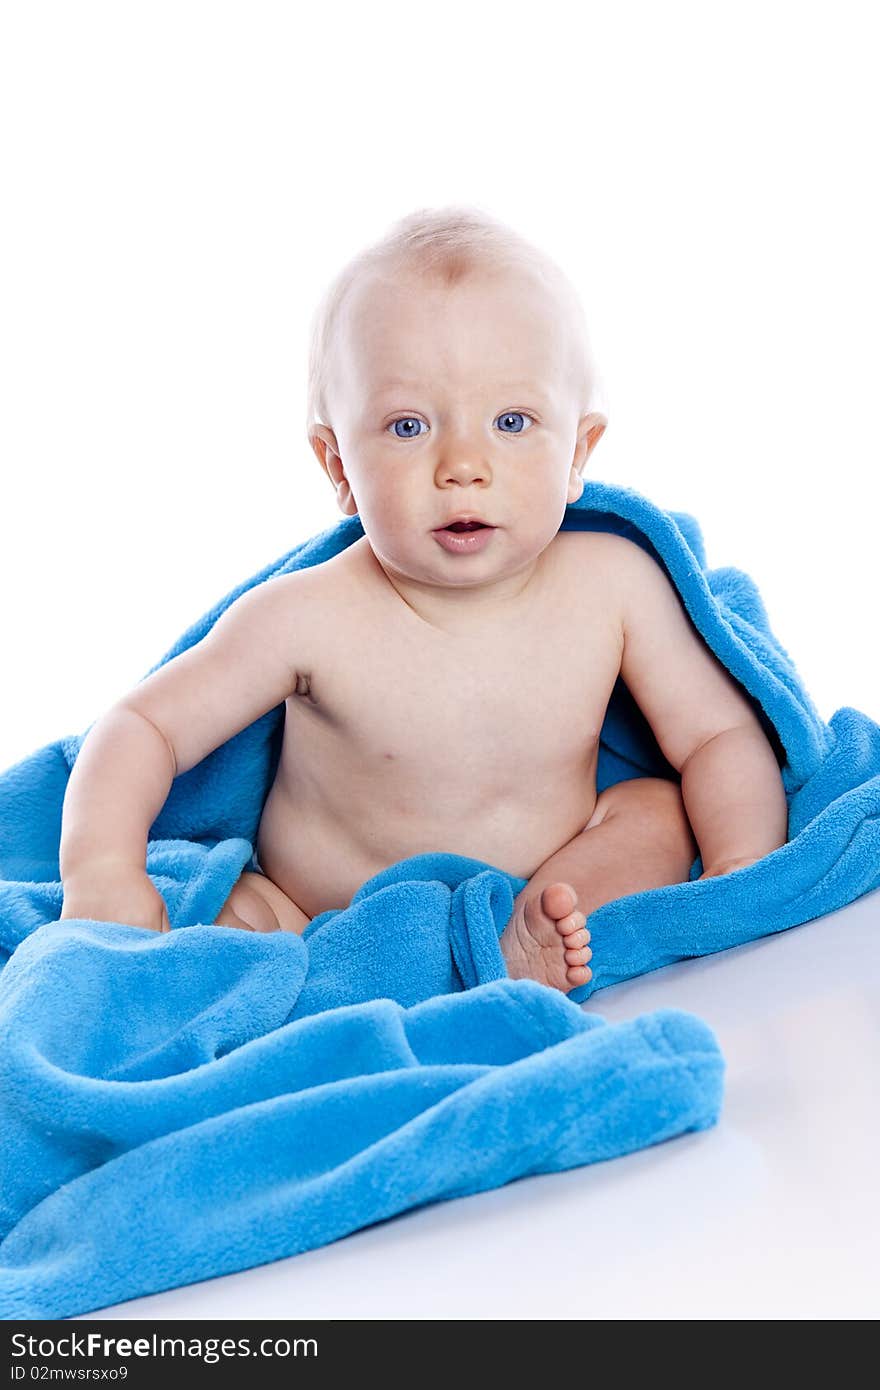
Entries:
{"x":111,"y":892}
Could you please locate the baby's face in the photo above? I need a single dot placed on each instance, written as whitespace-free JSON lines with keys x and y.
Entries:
{"x":450,"y":401}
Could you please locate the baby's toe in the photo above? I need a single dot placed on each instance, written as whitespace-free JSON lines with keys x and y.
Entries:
{"x":558,"y":899}
{"x":578,"y":957}
{"x":577,"y":939}
{"x":571,"y":925}
{"x":578,"y":975}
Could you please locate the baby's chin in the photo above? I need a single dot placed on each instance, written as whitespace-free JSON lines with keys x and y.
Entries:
{"x":490,"y":571}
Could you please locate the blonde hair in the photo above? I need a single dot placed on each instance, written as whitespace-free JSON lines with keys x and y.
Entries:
{"x":447,"y":244}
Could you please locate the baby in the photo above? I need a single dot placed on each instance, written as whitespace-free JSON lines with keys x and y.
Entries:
{"x":445,"y":677}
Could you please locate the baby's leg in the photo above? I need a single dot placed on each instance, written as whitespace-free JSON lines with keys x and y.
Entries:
{"x":258,"y":904}
{"x":638,"y":837}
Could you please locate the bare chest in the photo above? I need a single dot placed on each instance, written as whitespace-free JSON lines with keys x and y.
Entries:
{"x":465,"y":718}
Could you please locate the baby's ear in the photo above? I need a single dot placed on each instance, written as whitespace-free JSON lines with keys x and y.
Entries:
{"x":323,"y":441}
{"x":590,"y":430}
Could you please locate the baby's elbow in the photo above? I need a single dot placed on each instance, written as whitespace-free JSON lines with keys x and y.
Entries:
{"x":730,"y":733}
{"x":128,"y":707}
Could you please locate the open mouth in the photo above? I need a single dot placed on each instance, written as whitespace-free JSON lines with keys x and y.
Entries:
{"x":464,"y":537}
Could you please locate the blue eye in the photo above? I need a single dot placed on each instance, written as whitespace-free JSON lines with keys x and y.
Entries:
{"x":515,"y":415}
{"x":510,"y":416}
{"x":406,"y":420}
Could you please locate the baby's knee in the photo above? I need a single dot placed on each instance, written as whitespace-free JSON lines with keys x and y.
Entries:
{"x":662,"y":818}
{"x":655,"y":800}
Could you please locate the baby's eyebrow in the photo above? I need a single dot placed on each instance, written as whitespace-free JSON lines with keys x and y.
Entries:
{"x":394,"y":383}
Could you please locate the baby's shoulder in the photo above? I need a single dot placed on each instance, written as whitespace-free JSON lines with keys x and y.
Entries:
{"x":338,"y":574}
{"x":321,"y":596}
{"x":605,"y":552}
{"x":302,"y":603}
{"x":610,"y":568}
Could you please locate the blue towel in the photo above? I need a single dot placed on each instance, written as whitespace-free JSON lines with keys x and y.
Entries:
{"x":383,"y":1059}
{"x":169,"y":1113}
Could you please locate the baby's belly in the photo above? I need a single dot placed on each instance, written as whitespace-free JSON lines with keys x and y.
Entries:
{"x":320,"y":854}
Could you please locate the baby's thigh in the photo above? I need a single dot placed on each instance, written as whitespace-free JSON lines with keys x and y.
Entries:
{"x":258,"y":904}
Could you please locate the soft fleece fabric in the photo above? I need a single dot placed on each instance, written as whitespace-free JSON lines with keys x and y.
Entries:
{"x":181,"y":1106}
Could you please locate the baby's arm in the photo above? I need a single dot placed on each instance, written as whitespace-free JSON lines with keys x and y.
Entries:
{"x":121,"y":779}
{"x":639,"y":837}
{"x":707,"y":729}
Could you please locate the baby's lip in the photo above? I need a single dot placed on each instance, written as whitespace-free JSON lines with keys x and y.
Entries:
{"x":464,"y":517}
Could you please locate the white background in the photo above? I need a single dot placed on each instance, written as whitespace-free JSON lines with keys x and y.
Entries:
{"x":181,"y":180}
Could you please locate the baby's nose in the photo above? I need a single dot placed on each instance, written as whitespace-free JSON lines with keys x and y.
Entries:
{"x":463,"y":468}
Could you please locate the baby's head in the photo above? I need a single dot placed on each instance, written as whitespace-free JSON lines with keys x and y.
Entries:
{"x":450,"y":374}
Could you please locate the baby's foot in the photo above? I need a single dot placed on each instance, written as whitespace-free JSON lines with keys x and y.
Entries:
{"x":546,"y":940}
